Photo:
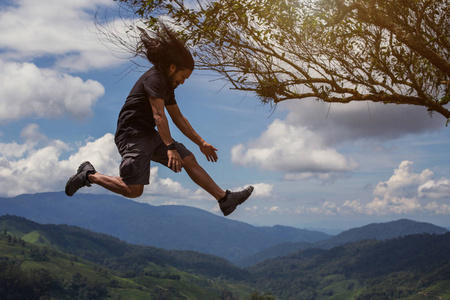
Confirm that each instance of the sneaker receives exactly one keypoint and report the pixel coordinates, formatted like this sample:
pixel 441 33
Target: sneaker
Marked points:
pixel 232 199
pixel 80 179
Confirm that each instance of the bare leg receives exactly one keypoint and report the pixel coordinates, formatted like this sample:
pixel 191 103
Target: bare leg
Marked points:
pixel 201 178
pixel 116 185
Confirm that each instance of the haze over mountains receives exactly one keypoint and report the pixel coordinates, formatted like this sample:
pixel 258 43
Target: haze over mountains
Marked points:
pixel 187 228
pixel 169 227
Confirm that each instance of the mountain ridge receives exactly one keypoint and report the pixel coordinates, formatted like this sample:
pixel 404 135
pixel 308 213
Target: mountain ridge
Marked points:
pixel 375 231
pixel 369 269
pixel 381 231
pixel 169 227
pixel 189 228
pixel 47 261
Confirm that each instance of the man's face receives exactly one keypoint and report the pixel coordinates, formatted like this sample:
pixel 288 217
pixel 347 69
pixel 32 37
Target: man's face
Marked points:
pixel 178 76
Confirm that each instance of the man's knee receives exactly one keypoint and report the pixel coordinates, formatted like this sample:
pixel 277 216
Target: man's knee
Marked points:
pixel 189 161
pixel 134 191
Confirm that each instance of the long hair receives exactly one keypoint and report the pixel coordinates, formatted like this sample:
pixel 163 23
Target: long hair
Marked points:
pixel 164 48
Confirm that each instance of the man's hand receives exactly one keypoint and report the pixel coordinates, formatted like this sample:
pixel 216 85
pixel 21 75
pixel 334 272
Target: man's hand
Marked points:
pixel 209 151
pixel 175 162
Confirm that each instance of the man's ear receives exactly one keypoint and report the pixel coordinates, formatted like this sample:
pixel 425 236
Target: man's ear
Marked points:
pixel 172 69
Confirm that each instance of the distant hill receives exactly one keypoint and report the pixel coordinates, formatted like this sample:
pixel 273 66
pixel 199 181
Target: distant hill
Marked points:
pixel 168 227
pixel 378 231
pixel 370 269
pixel 381 231
pixel 66 262
pixel 279 250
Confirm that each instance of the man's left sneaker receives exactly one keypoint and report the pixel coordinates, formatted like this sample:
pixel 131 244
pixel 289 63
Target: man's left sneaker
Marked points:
pixel 232 199
pixel 80 179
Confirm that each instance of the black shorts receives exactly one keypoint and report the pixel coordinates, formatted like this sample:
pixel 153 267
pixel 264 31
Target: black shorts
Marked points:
pixel 138 152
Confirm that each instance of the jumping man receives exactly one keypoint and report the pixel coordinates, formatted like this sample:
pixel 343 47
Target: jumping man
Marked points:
pixel 139 142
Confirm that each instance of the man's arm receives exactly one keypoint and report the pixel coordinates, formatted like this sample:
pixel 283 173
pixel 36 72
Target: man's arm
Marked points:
pixel 185 127
pixel 162 124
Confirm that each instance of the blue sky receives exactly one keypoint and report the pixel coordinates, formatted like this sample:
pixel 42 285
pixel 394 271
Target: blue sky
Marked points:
pixel 312 164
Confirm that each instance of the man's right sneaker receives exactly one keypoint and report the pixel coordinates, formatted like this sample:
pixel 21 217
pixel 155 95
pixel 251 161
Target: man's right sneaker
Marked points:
pixel 232 199
pixel 80 179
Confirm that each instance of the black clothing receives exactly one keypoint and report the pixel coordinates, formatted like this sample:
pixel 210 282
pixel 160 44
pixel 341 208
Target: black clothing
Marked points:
pixel 136 115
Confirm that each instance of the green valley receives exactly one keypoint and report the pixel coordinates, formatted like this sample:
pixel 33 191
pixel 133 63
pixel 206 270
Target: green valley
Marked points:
pixel 67 262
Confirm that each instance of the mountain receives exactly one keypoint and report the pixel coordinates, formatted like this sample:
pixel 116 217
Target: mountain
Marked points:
pixel 279 250
pixel 66 262
pixel 98 247
pixel 381 231
pixel 370 269
pixel 168 227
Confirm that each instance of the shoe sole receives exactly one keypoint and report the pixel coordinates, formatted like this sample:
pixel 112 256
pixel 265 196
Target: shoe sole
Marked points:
pixel 250 188
pixel 80 169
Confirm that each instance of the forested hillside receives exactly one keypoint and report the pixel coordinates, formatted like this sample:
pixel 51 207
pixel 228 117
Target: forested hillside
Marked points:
pixel 370 269
pixel 66 262
pixel 376 231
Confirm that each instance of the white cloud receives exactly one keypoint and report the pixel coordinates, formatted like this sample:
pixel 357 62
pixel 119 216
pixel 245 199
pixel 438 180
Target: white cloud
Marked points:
pixel 39 169
pixel 13 150
pixel 27 91
pixel 273 209
pixel 435 189
pixel 351 206
pixel 399 195
pixel 438 209
pixel 31 133
pixel 62 28
pixel 262 190
pixel 102 153
pixel 305 144
pixel 404 182
pixel 36 166
pixel 294 150
pixel 393 205
pixel 167 186
pixel 405 192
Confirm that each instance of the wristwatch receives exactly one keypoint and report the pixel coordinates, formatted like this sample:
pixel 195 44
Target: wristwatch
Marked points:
pixel 171 146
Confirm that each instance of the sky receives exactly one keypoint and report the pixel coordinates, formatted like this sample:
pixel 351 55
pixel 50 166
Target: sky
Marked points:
pixel 313 165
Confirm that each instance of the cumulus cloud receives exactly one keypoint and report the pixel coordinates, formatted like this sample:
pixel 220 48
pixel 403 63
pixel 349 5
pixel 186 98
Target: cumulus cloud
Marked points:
pixel 438 209
pixel 403 182
pixel 36 166
pixel 167 187
pixel 262 190
pixel 27 91
pixel 306 143
pixel 405 192
pixel 295 150
pixel 64 29
pixel 31 133
pixel 398 195
pixel 435 189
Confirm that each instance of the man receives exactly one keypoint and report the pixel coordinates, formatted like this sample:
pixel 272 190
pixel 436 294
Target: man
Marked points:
pixel 137 139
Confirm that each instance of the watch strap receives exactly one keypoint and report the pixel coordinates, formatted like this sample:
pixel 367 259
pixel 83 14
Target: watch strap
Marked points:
pixel 171 146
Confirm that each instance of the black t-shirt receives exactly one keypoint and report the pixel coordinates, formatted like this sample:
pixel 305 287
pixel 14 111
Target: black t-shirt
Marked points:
pixel 136 115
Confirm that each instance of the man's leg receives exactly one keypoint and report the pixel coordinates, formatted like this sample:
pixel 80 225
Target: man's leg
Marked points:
pixel 116 185
pixel 228 201
pixel 86 175
pixel 201 178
